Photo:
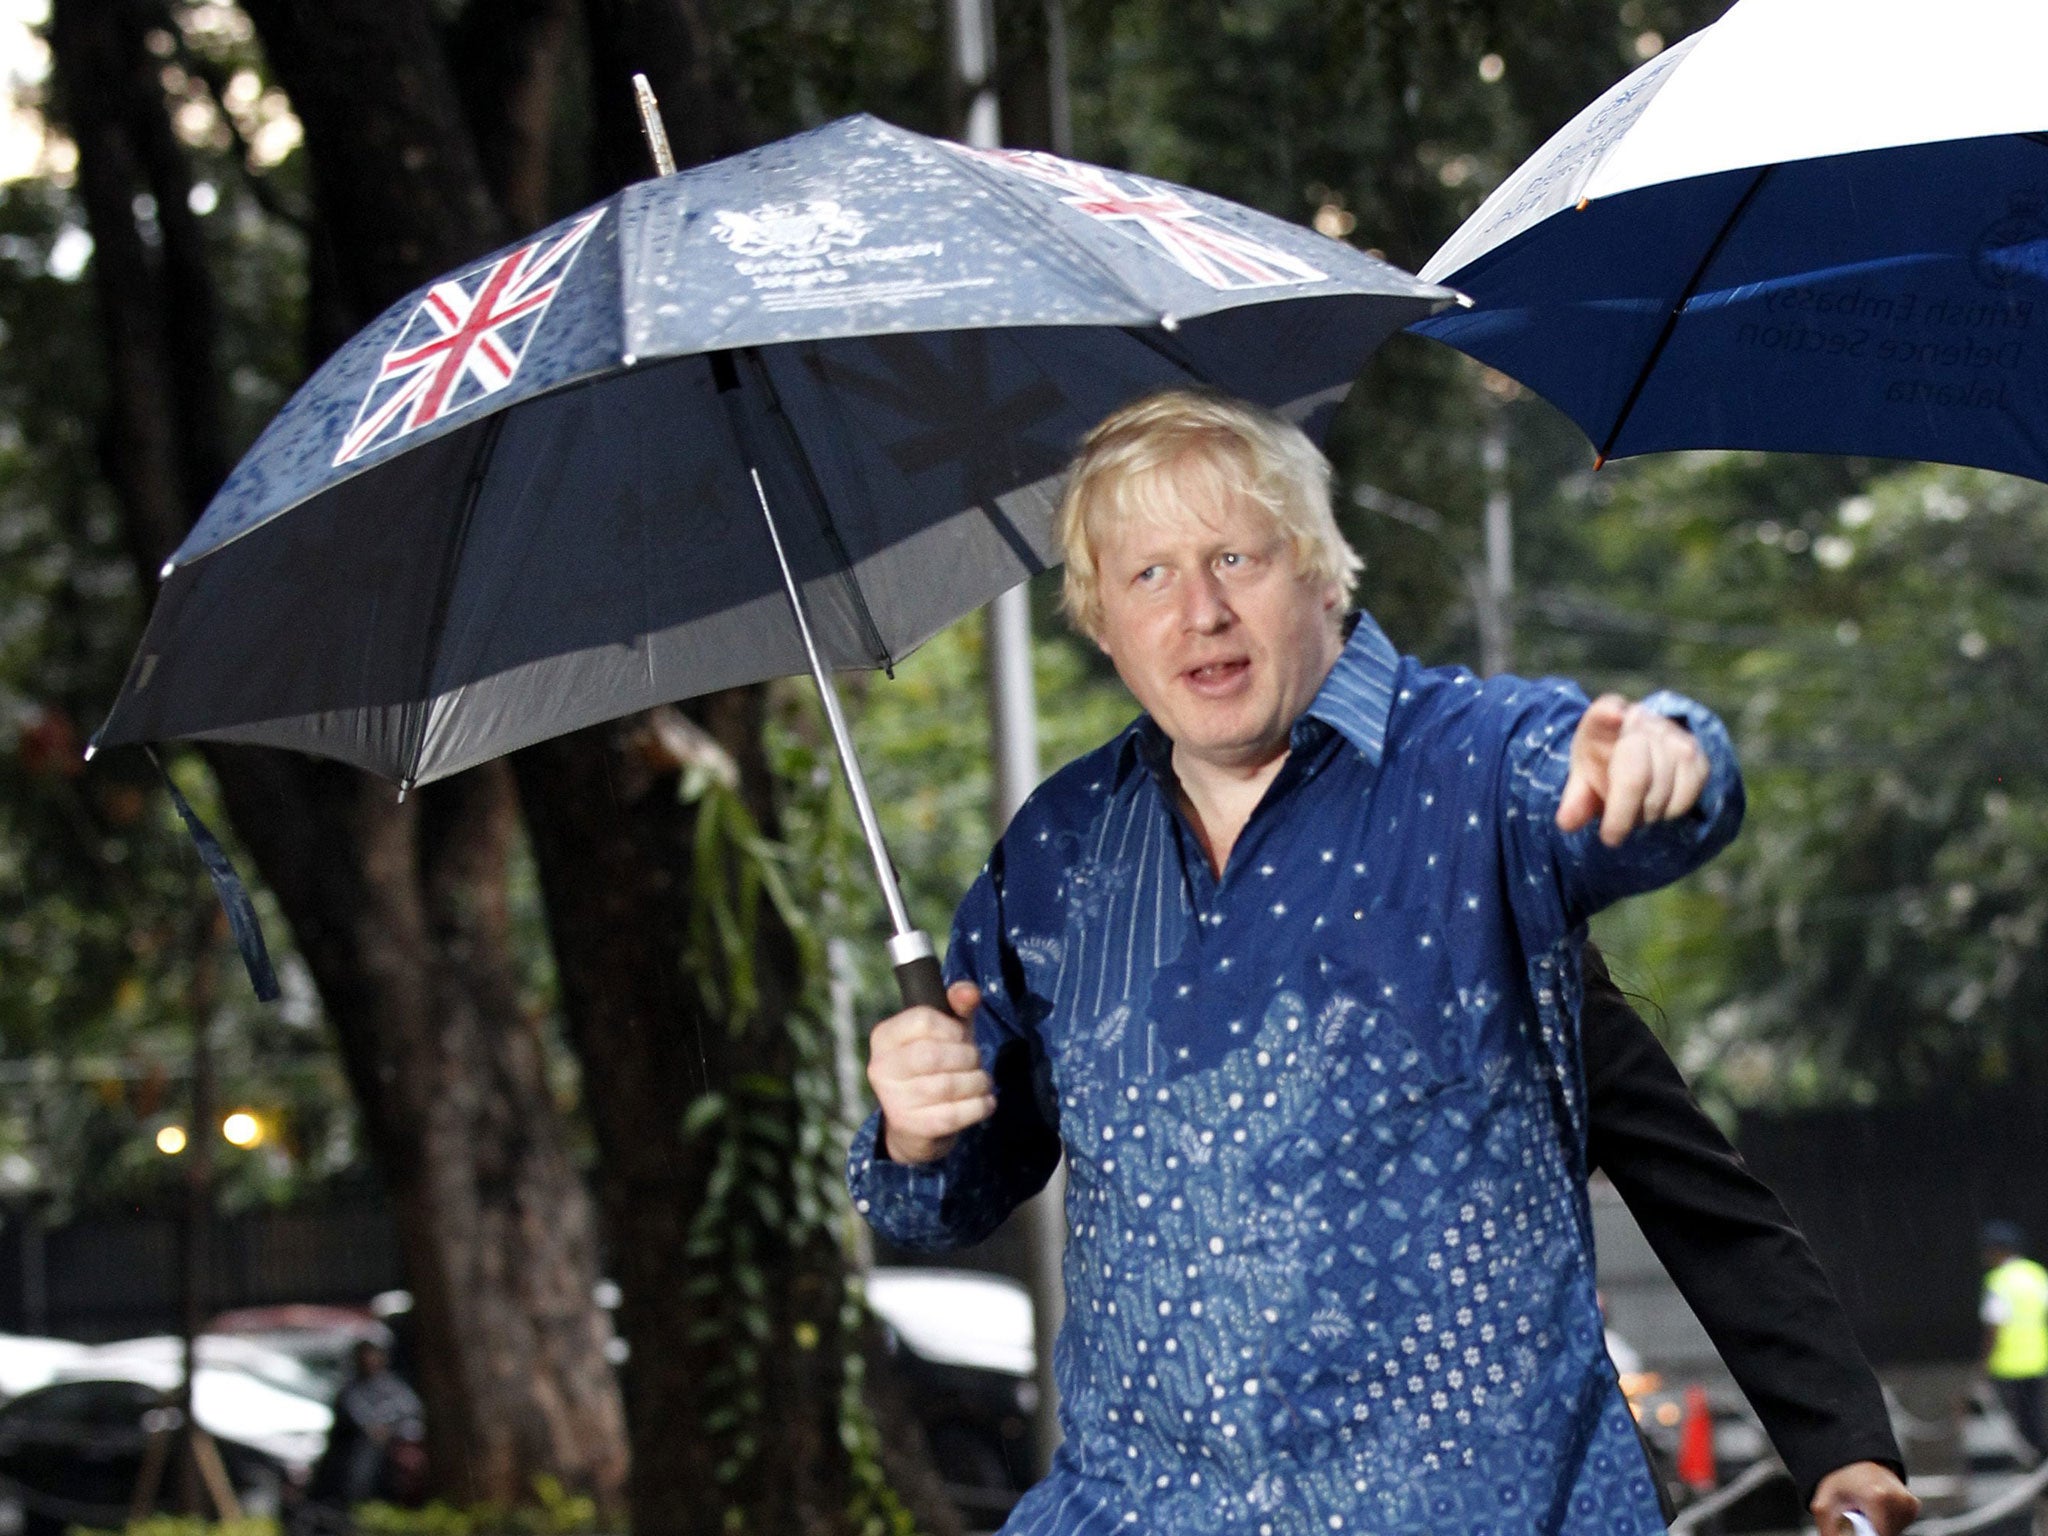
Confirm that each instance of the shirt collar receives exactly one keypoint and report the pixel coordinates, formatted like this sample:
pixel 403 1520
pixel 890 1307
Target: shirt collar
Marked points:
pixel 1355 700
pixel 1358 696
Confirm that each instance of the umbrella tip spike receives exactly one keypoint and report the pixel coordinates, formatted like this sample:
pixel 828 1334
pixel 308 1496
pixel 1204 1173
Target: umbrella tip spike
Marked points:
pixel 92 749
pixel 164 574
pixel 1582 204
pixel 1169 322
pixel 1599 461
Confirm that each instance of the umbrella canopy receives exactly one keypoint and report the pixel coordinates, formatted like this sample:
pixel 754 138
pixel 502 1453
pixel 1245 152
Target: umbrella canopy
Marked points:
pixel 520 503
pixel 1815 225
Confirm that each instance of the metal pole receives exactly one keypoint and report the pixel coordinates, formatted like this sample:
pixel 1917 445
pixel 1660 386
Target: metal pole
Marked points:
pixel 1496 612
pixel 651 125
pixel 35 1268
pixel 1013 723
pixel 190 1486
pixel 1013 708
pixel 910 948
pixel 974 69
pixel 1059 99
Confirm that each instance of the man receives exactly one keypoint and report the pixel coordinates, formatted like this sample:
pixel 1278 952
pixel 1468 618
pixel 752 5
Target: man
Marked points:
pixel 1746 1270
pixel 378 1426
pixel 2015 1314
pixel 1292 966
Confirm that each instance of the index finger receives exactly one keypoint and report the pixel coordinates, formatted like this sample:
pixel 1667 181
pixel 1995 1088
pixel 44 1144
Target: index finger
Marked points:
pixel 1628 781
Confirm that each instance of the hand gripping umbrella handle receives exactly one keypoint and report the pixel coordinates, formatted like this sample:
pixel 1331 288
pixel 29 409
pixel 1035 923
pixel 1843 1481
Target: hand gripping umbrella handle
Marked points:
pixel 918 976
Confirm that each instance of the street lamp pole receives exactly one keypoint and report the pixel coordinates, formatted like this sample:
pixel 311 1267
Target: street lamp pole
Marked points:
pixel 1497 586
pixel 198 1255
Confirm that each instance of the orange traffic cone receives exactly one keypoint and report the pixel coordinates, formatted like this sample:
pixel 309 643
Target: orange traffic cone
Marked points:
pixel 1696 1442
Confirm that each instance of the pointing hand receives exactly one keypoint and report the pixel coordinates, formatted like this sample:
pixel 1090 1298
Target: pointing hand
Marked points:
pixel 1630 766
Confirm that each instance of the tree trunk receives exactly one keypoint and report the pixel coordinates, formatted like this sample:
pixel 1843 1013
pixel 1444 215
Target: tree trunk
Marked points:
pixel 614 845
pixel 399 910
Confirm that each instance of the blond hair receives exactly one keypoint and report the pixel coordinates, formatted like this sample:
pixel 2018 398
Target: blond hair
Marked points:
pixel 1141 460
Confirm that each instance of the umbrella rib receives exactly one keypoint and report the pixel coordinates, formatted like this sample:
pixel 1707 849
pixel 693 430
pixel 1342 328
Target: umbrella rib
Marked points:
pixel 1671 320
pixel 444 597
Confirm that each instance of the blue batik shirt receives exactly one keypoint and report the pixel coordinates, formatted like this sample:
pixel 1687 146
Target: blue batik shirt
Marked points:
pixel 1330 1263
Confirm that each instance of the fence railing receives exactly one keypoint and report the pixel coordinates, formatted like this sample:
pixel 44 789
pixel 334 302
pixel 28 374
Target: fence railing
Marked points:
pixel 2022 1494
pixel 1729 1494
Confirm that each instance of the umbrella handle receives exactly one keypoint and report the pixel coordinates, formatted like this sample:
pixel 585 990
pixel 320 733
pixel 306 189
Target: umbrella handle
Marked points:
pixel 918 976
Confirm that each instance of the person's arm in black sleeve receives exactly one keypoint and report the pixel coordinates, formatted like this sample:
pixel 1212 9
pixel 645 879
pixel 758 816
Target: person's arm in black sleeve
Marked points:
pixel 1746 1270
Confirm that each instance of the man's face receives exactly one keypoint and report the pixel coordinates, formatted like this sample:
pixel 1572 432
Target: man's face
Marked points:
pixel 1211 625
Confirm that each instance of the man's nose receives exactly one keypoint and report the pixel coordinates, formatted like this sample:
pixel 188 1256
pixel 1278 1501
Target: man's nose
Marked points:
pixel 1206 607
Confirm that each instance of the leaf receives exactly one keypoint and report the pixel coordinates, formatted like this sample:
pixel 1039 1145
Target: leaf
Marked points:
pixel 704 1111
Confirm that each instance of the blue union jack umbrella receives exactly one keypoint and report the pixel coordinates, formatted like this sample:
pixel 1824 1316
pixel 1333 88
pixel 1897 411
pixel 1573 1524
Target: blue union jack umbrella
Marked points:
pixel 530 497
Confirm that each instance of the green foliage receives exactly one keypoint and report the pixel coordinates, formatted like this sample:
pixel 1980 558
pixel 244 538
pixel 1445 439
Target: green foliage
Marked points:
pixel 554 1511
pixel 1874 931
pixel 802 65
pixel 778 1182
pixel 186 1525
pixel 102 902
pixel 923 739
pixel 1878 650
pixel 776 1186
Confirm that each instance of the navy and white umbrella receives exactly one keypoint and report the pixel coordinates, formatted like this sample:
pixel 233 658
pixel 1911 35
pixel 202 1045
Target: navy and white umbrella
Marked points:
pixel 1816 225
pixel 530 497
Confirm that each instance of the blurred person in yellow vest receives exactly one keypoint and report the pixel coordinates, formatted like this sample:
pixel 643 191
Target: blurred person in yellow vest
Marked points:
pixel 2015 1314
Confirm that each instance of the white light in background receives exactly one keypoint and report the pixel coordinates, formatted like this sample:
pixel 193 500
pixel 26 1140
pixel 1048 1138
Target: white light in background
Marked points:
pixel 69 253
pixel 24 65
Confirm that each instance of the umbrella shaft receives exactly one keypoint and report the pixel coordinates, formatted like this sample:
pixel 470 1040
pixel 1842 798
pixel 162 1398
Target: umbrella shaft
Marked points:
pixel 842 739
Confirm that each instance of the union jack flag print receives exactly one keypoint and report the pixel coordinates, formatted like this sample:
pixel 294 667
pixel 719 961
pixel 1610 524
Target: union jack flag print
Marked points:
pixel 1160 217
pixel 464 342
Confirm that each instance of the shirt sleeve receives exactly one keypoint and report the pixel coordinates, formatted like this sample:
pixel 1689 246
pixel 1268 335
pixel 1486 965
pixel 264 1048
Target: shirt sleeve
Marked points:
pixel 994 1166
pixel 1560 879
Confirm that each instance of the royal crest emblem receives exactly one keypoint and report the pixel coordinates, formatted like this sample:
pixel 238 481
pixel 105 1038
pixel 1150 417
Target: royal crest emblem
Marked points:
pixel 464 342
pixel 787 229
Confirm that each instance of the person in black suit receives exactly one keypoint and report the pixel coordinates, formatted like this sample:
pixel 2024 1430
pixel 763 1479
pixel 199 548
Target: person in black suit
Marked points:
pixel 1743 1266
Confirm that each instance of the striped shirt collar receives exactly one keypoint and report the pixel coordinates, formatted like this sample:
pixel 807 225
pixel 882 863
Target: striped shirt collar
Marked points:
pixel 1358 696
